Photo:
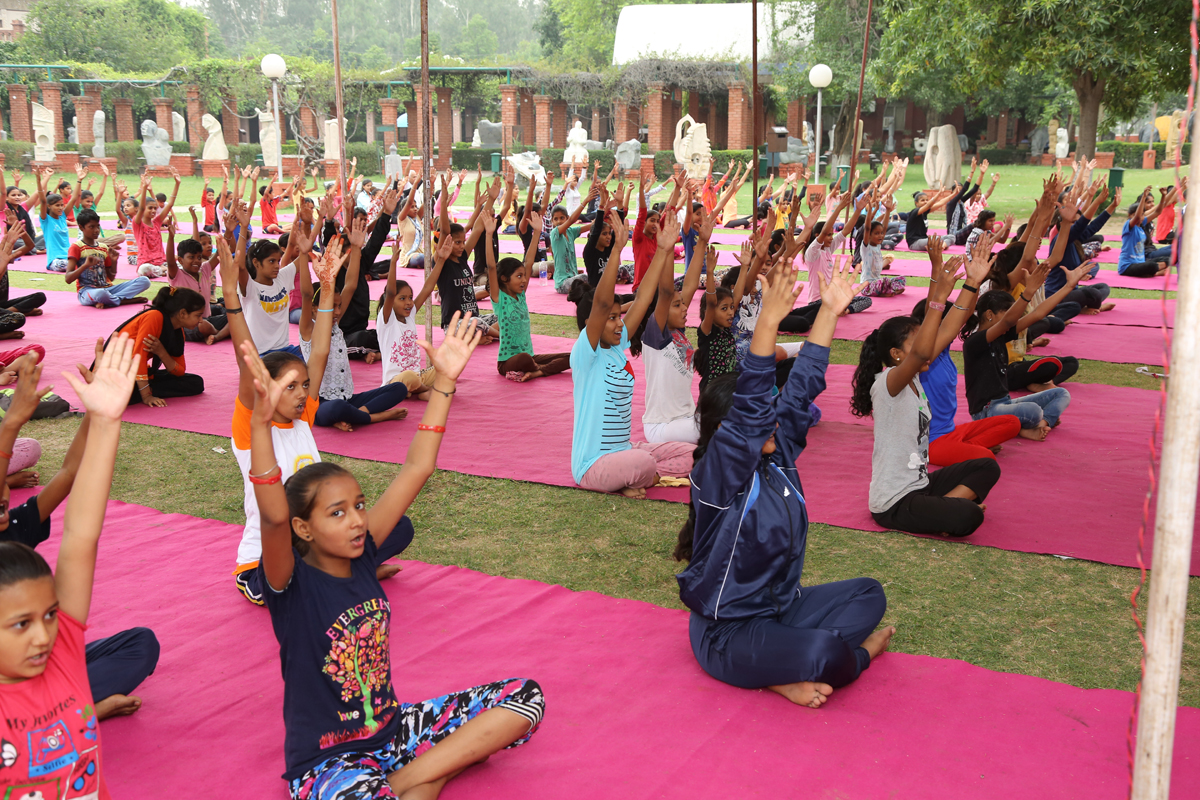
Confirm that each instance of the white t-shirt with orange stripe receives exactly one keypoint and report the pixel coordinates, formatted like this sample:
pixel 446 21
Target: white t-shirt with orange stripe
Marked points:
pixel 295 449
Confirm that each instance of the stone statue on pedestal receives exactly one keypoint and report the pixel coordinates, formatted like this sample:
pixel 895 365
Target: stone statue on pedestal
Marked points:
pixel 333 150
pixel 268 137
pixel 1039 140
pixel 215 148
pixel 576 145
pixel 1062 148
pixel 98 134
pixel 156 145
pixel 629 155
pixel 692 149
pixel 178 127
pixel 943 158
pixel 393 165
pixel 73 131
pixel 43 133
pixel 490 133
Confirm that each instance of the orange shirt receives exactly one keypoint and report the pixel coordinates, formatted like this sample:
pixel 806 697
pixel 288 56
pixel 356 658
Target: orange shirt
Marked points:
pixel 138 328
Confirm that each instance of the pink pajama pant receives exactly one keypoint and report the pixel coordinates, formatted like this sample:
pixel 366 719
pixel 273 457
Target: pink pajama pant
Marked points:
pixel 639 466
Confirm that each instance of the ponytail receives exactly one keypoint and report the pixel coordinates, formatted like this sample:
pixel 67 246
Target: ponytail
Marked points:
pixel 715 402
pixel 995 301
pixel 873 357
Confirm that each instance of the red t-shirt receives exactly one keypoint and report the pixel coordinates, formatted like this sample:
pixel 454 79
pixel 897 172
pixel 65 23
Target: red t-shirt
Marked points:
pixel 267 206
pixel 48 730
pixel 644 247
pixel 210 210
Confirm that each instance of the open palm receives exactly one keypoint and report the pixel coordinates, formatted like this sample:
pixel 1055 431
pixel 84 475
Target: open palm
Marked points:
pixel 107 396
pixel 451 357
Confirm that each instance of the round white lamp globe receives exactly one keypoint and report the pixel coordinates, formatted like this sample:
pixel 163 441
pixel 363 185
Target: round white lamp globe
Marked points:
pixel 819 76
pixel 273 66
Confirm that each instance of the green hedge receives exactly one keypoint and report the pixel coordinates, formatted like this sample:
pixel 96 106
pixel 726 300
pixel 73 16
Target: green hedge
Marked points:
pixel 721 158
pixel 1129 154
pixel 17 155
pixel 67 147
pixel 464 157
pixel 1004 155
pixel 664 164
pixel 127 154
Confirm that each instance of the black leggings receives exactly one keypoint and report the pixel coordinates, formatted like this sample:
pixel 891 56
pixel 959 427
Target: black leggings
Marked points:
pixel 741 222
pixel 1079 298
pixel 1041 370
pixel 163 384
pixel 1144 269
pixel 11 321
pixel 800 320
pixel 928 510
pixel 26 303
pixel 359 343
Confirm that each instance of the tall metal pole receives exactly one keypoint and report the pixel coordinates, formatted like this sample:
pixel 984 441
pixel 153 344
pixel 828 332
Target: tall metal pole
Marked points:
pixel 278 131
pixel 340 111
pixel 817 171
pixel 425 109
pixel 854 128
pixel 1175 516
pixel 754 111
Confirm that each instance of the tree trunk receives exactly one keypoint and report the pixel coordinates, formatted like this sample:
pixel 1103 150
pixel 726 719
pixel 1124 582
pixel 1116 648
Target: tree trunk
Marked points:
pixel 1090 93
pixel 933 119
pixel 843 143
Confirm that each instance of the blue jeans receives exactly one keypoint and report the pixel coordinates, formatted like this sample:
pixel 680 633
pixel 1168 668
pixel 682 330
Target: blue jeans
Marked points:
pixel 376 401
pixel 818 637
pixel 113 295
pixel 1031 409
pixel 294 349
pixel 294 316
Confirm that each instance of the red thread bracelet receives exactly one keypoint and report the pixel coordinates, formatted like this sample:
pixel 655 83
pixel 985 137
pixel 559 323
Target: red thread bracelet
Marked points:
pixel 434 428
pixel 5 455
pixel 267 481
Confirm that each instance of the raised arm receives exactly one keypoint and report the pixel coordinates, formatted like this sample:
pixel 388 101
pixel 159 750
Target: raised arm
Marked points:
pixel 968 295
pixel 667 236
pixel 603 299
pixel 941 282
pixel 105 399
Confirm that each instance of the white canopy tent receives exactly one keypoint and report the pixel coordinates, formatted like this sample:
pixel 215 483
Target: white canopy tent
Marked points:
pixel 717 31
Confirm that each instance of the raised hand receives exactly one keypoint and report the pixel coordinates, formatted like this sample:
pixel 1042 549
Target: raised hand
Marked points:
pixel 745 254
pixel 445 248
pixel 779 295
pixel 107 396
pixel 451 357
pixel 358 233
pixel 80 171
pixel 838 291
pixel 668 233
pixel 27 395
pixel 326 266
pixel 489 223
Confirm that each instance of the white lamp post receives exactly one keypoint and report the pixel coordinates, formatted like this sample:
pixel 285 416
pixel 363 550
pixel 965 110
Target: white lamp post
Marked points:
pixel 274 68
pixel 819 76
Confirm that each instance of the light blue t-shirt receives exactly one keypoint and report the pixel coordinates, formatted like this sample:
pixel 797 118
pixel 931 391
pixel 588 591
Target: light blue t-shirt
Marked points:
pixel 1133 246
pixel 563 246
pixel 58 241
pixel 603 402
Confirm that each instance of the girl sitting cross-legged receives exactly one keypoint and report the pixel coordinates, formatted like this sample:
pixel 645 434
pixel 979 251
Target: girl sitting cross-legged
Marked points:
pixel 753 624
pixel 347 734
pixel 158 338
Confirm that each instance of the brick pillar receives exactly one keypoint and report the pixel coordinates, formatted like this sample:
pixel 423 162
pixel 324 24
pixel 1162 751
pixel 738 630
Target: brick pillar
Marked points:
pixel 85 111
pixel 410 108
pixel 92 90
pixel 719 129
pixel 419 114
pixel 509 107
pixel 596 134
pixel 541 132
pixel 527 119
pixel 694 105
pixel 445 125
pixel 991 129
pixel 560 124
pixel 308 122
pixel 230 124
pixel 163 106
pixel 738 137
pixel 657 106
pixel 18 103
pixel 621 122
pixel 676 112
pixel 196 134
pixel 795 123
pixel 1002 129
pixel 52 99
pixel 126 132
pixel 389 108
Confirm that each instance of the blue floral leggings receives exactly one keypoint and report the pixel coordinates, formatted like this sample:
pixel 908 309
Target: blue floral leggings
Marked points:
pixel 363 775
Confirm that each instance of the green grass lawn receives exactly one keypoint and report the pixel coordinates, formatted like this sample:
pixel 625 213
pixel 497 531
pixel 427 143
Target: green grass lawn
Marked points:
pixel 1065 620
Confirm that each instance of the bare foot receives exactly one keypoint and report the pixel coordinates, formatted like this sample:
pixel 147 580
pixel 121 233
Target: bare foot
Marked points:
pixel 117 705
pixel 22 479
pixel 531 375
pixel 805 693
pixel 486 340
pixel 373 357
pixel 1040 387
pixel 344 426
pixel 997 448
pixel 13 335
pixel 1107 306
pixel 387 416
pixel 636 494
pixel 1041 341
pixel 210 339
pixel 33 312
pixel 99 305
pixel 878 641
pixel 1163 270
pixel 385 571
pixel 1037 434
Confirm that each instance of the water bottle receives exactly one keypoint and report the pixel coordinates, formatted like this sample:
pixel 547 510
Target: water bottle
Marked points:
pixel 543 272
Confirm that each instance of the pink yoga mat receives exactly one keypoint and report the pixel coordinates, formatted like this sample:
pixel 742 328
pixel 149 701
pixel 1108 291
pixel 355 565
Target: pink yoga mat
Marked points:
pixel 620 682
pixel 1101 447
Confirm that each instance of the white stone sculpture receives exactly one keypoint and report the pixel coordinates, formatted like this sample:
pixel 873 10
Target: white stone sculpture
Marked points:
pixel 1039 140
pixel 576 145
pixel 156 144
pixel 528 168
pixel 215 148
pixel 1062 147
pixel 73 131
pixel 43 133
pixel 268 137
pixel 692 148
pixel 629 155
pixel 393 165
pixel 943 158
pixel 98 134
pixel 797 151
pixel 475 140
pixel 920 144
pixel 1173 134
pixel 333 150
pixel 889 127
pixel 178 127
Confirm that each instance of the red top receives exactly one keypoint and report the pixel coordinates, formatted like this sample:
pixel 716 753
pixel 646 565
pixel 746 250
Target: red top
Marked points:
pixel 267 207
pixel 644 248
pixel 210 210
pixel 49 730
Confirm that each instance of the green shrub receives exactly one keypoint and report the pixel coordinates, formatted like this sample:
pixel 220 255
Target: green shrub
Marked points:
pixel 1129 154
pixel 241 155
pixel 17 155
pixel 67 147
pixel 721 158
pixel 466 157
pixel 664 164
pixel 370 157
pixel 1004 155
pixel 127 154
pixel 176 147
